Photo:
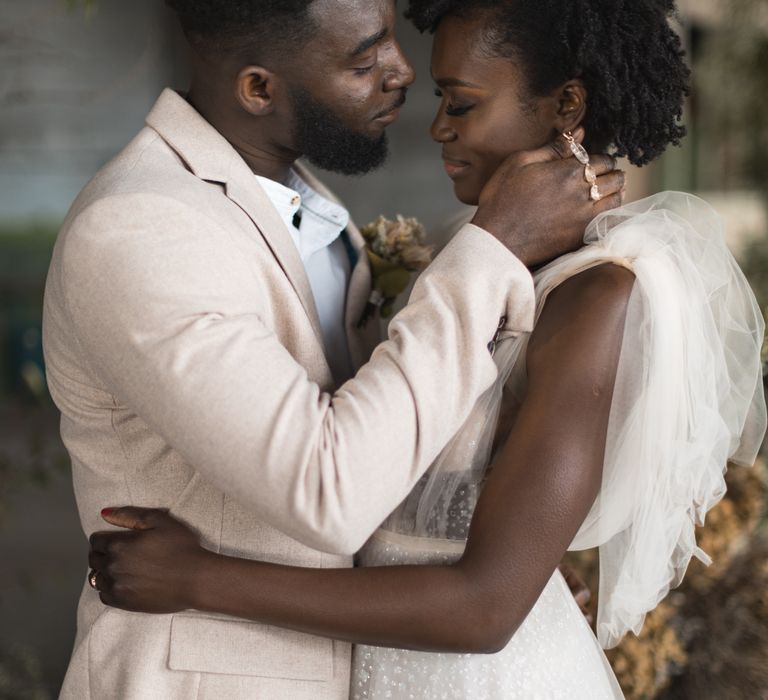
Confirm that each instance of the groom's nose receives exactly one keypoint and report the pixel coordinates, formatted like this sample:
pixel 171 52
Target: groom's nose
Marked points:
pixel 400 73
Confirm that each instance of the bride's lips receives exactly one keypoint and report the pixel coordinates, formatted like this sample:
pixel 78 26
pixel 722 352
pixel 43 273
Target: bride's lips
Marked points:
pixel 454 168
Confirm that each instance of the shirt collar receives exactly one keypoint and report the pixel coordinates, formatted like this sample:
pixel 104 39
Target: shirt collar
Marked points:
pixel 322 220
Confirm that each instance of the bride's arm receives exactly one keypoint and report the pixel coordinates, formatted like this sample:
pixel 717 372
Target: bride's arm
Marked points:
pixel 542 485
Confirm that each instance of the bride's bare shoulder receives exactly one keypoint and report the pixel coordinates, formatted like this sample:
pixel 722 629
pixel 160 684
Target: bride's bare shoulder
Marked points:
pixel 608 278
pixel 582 323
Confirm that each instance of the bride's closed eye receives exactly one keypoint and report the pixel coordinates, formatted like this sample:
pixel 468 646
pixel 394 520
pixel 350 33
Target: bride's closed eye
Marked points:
pixel 454 110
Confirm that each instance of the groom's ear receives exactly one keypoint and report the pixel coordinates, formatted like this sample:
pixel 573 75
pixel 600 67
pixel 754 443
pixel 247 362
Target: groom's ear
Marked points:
pixel 255 90
pixel 571 107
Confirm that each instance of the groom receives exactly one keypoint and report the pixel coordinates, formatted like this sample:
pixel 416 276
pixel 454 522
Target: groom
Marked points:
pixel 201 333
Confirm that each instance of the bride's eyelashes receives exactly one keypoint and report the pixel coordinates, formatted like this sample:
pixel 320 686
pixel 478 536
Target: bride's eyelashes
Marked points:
pixel 454 110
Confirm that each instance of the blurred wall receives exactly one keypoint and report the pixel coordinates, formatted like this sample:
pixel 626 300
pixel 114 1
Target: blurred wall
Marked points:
pixel 72 92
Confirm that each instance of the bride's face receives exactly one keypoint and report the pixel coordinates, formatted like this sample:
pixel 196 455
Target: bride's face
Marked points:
pixel 485 112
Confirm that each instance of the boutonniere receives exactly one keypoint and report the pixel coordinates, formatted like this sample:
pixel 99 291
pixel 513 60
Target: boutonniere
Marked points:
pixel 395 250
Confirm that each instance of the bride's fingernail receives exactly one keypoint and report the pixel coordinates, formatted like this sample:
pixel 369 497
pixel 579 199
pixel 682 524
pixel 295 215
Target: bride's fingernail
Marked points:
pixel 106 512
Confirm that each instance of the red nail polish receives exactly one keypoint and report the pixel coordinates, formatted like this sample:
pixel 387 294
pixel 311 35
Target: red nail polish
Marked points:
pixel 106 512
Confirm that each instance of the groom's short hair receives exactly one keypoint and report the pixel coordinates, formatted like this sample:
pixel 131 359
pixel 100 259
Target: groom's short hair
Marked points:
pixel 256 27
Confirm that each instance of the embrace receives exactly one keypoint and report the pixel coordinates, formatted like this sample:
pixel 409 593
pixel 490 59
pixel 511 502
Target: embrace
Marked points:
pixel 301 509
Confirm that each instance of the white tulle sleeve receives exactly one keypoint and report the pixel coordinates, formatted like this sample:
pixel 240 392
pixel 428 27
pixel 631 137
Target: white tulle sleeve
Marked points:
pixel 688 399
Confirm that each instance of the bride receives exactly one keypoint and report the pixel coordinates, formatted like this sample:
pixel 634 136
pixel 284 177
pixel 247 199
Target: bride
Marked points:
pixel 610 425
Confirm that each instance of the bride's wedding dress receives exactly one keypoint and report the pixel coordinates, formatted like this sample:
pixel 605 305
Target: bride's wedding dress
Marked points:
pixel 688 398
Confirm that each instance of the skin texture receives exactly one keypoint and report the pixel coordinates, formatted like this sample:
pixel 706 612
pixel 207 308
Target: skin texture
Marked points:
pixel 484 116
pixel 541 486
pixel 251 104
pixel 537 204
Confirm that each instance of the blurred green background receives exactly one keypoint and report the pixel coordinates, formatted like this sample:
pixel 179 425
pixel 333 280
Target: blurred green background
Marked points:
pixel 77 79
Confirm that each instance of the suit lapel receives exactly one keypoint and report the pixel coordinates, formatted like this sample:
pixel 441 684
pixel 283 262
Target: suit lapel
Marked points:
pixel 211 157
pixel 361 341
pixel 255 203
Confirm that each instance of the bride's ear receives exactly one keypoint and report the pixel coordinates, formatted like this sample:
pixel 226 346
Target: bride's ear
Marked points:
pixel 571 105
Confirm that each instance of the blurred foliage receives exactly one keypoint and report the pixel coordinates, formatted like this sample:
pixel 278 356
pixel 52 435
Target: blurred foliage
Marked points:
pixel 728 627
pixel 708 639
pixel 731 91
pixel 21 676
pixel 25 252
pixel 88 6
pixel 25 458
pixel 26 453
pixel 30 453
pixel 755 265
pixel 731 84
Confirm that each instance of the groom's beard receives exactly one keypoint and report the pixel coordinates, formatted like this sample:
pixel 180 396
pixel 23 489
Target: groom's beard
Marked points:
pixel 327 143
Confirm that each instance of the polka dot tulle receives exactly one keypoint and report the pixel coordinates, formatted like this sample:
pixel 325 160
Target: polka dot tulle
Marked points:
pixel 553 655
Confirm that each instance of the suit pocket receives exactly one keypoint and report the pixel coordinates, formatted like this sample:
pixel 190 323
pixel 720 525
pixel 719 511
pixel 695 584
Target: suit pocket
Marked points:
pixel 226 645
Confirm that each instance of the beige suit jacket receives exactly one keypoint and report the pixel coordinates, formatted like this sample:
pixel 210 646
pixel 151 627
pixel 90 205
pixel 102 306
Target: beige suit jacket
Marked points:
pixel 184 351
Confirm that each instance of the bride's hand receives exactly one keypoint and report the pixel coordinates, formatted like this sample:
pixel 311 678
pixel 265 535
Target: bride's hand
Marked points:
pixel 150 566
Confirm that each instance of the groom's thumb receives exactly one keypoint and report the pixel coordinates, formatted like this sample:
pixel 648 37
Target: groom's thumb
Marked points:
pixel 134 518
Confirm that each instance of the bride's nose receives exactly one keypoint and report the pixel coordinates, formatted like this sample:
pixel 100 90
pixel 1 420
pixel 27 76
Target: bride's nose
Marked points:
pixel 441 131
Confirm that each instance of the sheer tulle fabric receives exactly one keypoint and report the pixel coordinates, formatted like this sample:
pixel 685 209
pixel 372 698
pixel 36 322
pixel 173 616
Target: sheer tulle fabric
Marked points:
pixel 688 399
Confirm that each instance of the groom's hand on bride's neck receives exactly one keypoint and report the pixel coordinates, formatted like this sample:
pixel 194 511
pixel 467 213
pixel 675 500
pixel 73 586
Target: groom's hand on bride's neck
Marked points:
pixel 538 202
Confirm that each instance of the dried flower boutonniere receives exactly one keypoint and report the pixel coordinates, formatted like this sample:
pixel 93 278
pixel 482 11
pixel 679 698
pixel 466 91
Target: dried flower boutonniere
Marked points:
pixel 395 249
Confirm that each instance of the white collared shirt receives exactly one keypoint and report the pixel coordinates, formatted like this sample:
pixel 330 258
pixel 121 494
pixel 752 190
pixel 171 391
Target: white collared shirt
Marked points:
pixel 325 259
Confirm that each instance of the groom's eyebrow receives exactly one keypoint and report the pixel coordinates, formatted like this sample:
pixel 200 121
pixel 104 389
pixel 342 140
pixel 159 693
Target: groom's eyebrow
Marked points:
pixel 366 44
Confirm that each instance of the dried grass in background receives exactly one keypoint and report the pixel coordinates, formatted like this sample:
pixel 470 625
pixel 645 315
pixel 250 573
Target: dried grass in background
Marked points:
pixel 708 640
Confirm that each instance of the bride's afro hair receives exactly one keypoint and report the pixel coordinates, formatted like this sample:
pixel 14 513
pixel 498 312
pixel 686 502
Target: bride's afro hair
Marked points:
pixel 625 51
pixel 266 26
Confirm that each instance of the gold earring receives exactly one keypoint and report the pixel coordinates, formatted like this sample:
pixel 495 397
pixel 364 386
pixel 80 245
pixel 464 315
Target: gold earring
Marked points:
pixel 576 148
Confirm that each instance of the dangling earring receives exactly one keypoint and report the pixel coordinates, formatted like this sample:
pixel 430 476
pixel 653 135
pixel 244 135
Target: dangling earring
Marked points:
pixel 576 148
pixel 582 156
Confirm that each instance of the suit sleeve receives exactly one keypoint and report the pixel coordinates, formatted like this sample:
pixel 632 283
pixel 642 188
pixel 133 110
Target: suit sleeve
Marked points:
pixel 158 305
